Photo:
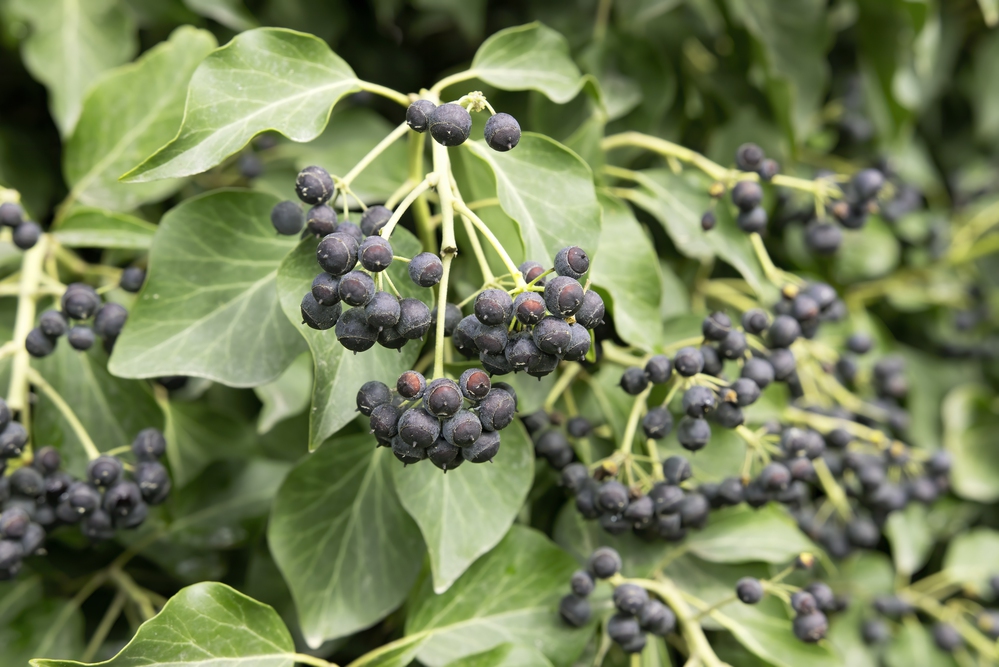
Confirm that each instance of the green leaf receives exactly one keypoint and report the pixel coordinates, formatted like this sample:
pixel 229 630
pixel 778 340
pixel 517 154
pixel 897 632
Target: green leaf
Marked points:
pixel 913 646
pixel 351 134
pixel 581 538
pixel 128 114
pixel 678 201
pixel 51 627
pixel 741 534
pixel 205 624
pixel 865 254
pixel 504 655
pixel 197 434
pixel 910 537
pixel 984 96
pixel 112 410
pixel 528 57
pixel 71 43
pixel 210 301
pixel 510 595
pixel 970 559
pixel 264 79
pixel 230 13
pixel 634 286
pixel 17 595
pixel 339 373
pixel 289 395
pixel 464 513
pixel 969 427
pixel 88 227
pixel 548 190
pixel 343 542
pixel 765 630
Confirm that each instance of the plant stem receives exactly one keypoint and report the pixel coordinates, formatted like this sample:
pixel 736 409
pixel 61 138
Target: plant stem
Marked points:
pixel 31 275
pixel 56 627
pixel 104 627
pixel 832 490
pixel 420 188
pixel 421 209
pixel 373 154
pixel 393 95
pixel 67 412
pixel 128 585
pixel 560 386
pixel 307 659
pixel 449 248
pixel 458 77
pixel 637 408
pixel 493 241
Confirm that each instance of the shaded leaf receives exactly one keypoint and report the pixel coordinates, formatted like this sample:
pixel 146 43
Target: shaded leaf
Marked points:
pixel 230 13
pixel 289 395
pixel 969 427
pixel 740 534
pixel 197 434
pixel 343 542
pixel 210 301
pixel 88 227
pixel 913 646
pixel 868 253
pixel 910 537
pixel 970 559
pixel 464 513
pixel 51 627
pixel 504 655
pixel 264 79
pixel 128 114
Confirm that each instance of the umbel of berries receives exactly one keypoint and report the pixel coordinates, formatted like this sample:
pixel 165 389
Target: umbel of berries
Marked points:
pixel 79 303
pixel 450 125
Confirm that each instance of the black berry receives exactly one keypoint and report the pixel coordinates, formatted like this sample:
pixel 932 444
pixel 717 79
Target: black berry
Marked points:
pixel 572 261
pixel 418 115
pixel 314 185
pixel 449 124
pixel 321 220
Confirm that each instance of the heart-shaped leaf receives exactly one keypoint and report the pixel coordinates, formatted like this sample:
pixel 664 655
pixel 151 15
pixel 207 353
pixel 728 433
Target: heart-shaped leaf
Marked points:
pixel 210 301
pixel 88 227
pixel 289 395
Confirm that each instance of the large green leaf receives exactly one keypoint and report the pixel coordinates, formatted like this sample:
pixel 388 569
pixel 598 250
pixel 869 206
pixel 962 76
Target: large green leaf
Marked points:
pixel 868 253
pixel 529 57
pixel 71 43
pixel 511 595
pixel 289 395
pixel 210 306
pixel 913 646
pixel 969 427
pixel 264 79
pixel 970 559
pixel 113 410
pixel 127 115
pixel 88 227
pixel 548 190
pixel 911 540
pixel 198 433
pixel 230 13
pixel 678 201
pixel 339 373
pixel 203 625
pixel 634 286
pixel 765 630
pixel 504 655
pixel 51 627
pixel 464 513
pixel 740 534
pixel 346 547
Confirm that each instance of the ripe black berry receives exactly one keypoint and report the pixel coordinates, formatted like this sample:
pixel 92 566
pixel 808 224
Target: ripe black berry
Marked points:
pixel 502 132
pixel 729 415
pixel 760 371
pixel 582 583
pixel 755 321
pixel 411 384
pixel 874 631
pixel 149 445
pixel 384 421
pixel 353 332
pixel 552 334
pixel 698 401
pixel 575 610
pixel 733 346
pixel 383 311
pixel 658 369
pixel 463 429
pixel 14 523
pixel 12 439
pixel 860 343
pixel 356 288
pixel 109 320
pixel 623 628
pixel 693 433
pixel 80 301
pixel 746 391
pixel 563 296
pixel 26 235
pixel 768 169
pixel 442 397
pixel 374 253
pixel 775 477
pixel 784 331
pixel 572 261
pixel 337 253
pixel 287 218
pixel 321 220
pixel 474 384
pixel 676 469
pixel 630 598
pixel 579 344
pixel 38 344
pixel 493 306
pixel 804 602
pixel 444 455
pixel 122 498
pixel 867 183
pixel 317 315
pixel 694 510
pixel 10 555
pixel 748 157
pixel 426 269
pixel 98 526
pixel 747 195
pixel 452 315
pixel 635 645
pixel 688 361
pixel 708 221
pixel 325 289
pixel 418 428
pixel 314 185
pixel 640 510
pixel 484 449
pixel 575 476
pixel 810 627
pixel 449 124
pixel 11 214
pixel 749 590
pixel 544 364
pixel 418 115
pixel 414 318
pixel 657 423
pixel 823 595
pixel 604 563
pixel 591 311
pixel 783 363
pixel 752 221
pixel 532 270
pixel 104 470
pixel 351 230
pixel 132 279
pixel 612 497
pixel 657 618
pixel 823 238
pixel 716 326
pixel 47 460
pixel 633 380
pixel 497 410
pixel 52 323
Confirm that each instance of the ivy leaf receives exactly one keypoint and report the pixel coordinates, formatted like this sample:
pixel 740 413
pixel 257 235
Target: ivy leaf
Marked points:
pixel 634 286
pixel 339 373
pixel 113 410
pixel 969 426
pixel 205 624
pixel 548 190
pixel 88 227
pixel 343 542
pixel 289 395
pixel 741 534
pixel 910 537
pixel 51 627
pixel 581 538
pixel 678 202
pixel 127 114
pixel 464 513
pixel 504 655
pixel 765 630
pixel 71 43
pixel 510 595
pixel 867 254
pixel 264 79
pixel 913 646
pixel 529 57
pixel 230 13
pixel 210 301
pixel 970 559
pixel 197 434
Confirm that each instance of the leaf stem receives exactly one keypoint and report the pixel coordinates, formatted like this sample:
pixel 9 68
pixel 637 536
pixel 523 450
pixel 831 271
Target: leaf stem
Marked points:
pixel 493 241
pixel 373 154
pixel 307 659
pixel 104 627
pixel 67 412
pixel 31 276
pixel 449 248
pixel 420 188
pixel 458 77
pixel 384 91
pixel 563 383
pixel 637 408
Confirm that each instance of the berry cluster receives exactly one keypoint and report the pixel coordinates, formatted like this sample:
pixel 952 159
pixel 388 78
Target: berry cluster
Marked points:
pixel 26 232
pixel 637 612
pixel 80 303
pixel 538 328
pixel 810 604
pixel 451 123
pixel 38 497
pixel 442 420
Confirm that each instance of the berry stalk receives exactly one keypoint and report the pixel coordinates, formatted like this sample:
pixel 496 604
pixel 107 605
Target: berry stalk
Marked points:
pixel 31 276
pixel 67 412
